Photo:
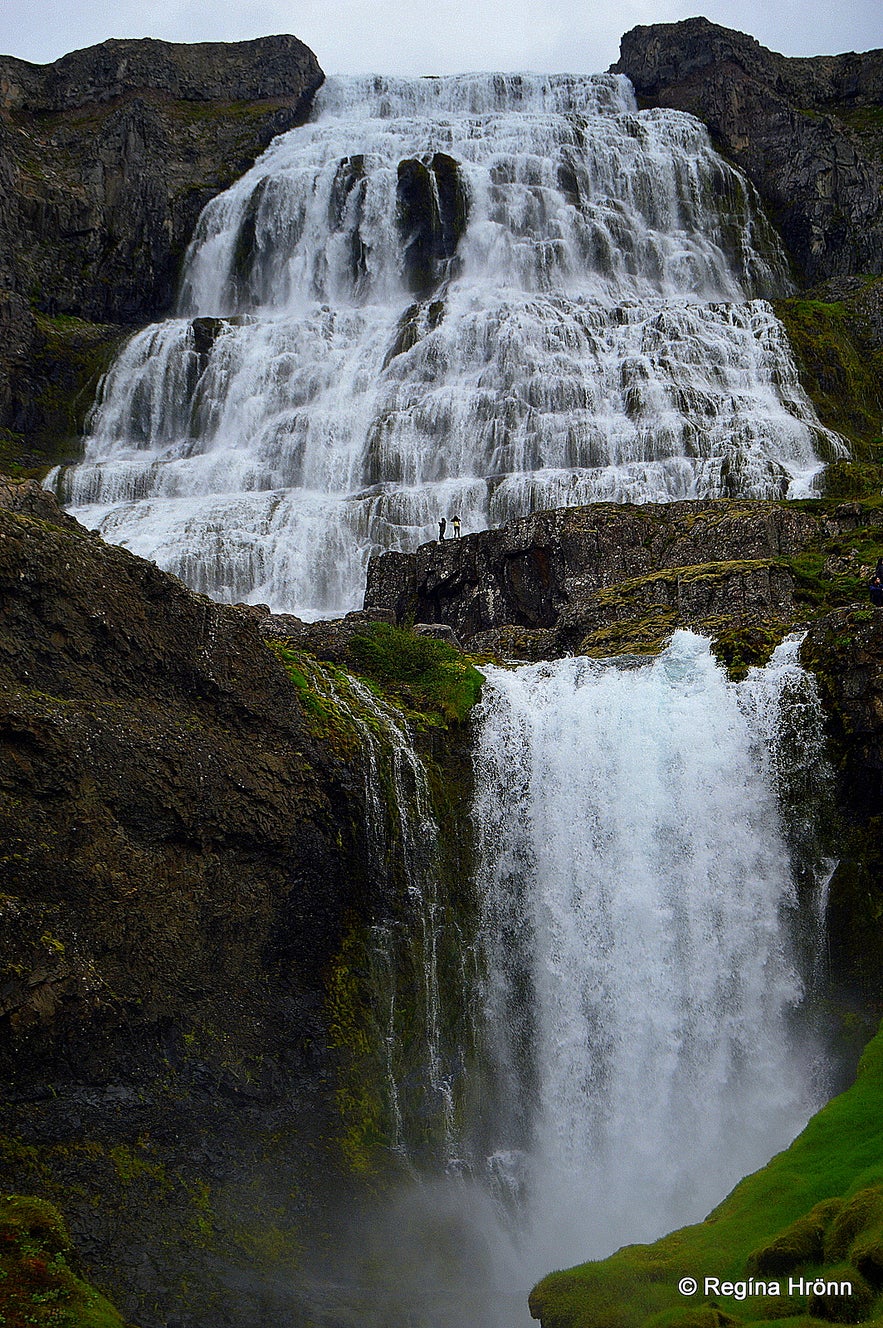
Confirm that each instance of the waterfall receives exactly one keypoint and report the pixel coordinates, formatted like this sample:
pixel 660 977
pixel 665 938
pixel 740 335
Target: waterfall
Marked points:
pixel 483 295
pixel 401 1042
pixel 643 959
pixel 640 928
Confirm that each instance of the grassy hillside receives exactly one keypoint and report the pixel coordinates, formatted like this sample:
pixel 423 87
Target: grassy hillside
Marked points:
pixel 813 1215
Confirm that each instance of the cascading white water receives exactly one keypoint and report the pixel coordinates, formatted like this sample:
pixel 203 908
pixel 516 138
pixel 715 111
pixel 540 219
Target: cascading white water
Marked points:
pixel 640 935
pixel 640 1053
pixel 584 329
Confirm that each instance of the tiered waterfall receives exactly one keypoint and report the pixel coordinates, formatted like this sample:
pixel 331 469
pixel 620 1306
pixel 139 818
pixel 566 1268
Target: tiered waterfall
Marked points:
pixel 476 296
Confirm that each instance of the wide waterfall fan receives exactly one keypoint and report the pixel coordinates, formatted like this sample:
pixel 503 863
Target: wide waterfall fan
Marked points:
pixel 485 296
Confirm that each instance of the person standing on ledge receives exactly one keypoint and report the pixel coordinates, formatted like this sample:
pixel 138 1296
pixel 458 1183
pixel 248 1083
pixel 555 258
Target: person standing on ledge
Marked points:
pixel 875 585
pixel 442 527
pixel 455 522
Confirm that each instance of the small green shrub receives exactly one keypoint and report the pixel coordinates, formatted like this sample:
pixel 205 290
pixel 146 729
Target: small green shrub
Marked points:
pixel 426 673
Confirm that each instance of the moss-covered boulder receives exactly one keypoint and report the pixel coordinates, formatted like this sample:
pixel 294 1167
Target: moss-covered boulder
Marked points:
pixel 39 1283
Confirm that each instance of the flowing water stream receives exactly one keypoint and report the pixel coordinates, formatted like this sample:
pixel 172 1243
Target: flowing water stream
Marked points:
pixel 642 961
pixel 476 296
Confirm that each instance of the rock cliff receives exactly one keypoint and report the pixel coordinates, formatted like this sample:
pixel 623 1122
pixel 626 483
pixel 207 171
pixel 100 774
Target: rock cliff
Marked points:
pixel 112 152
pixel 806 131
pixel 603 579
pixel 186 848
pixel 107 158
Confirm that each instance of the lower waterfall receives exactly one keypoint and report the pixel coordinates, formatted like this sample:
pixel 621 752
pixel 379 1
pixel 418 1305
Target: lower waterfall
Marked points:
pixel 643 960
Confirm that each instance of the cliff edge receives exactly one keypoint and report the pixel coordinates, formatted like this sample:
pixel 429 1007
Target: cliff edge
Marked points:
pixel 806 131
pixel 107 158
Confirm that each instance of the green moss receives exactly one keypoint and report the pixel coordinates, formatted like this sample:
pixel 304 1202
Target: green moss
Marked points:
pixel 742 646
pixel 352 1034
pixel 420 671
pixel 37 1284
pixel 325 699
pixel 840 368
pixel 647 635
pixel 69 360
pixel 625 592
pixel 828 1180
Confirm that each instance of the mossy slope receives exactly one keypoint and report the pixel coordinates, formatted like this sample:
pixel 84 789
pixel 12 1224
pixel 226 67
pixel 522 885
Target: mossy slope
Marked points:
pixel 38 1284
pixel 815 1210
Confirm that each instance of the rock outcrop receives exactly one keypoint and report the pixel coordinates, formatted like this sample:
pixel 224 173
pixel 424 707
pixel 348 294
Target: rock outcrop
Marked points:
pixel 806 131
pixel 107 158
pixel 111 153
pixel 185 842
pixel 602 579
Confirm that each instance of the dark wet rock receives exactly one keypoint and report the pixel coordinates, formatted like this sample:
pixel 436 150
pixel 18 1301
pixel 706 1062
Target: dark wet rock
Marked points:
pixel 586 578
pixel 806 132
pixel 432 213
pixel 180 854
pixel 107 158
pixel 845 649
pixel 29 498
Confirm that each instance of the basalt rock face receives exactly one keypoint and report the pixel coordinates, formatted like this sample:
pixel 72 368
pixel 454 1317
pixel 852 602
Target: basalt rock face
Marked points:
pixel 592 580
pixel 181 853
pixel 107 158
pixel 806 131
pixel 111 153
pixel 845 651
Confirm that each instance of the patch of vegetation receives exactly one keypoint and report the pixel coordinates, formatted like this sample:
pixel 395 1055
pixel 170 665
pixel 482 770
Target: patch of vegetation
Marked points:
pixel 355 1040
pixel 321 689
pixel 840 369
pixel 741 646
pixel 866 122
pixel 814 1212
pixel 647 635
pixel 38 1286
pixel 822 582
pixel 418 671
pixel 855 481
pixel 625 592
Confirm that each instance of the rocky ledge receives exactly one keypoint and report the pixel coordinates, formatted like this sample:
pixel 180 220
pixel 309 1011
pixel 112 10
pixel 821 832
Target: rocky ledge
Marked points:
pixel 603 579
pixel 806 132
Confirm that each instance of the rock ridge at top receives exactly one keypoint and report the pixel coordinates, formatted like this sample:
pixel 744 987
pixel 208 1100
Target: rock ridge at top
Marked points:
pixel 277 66
pixel 806 131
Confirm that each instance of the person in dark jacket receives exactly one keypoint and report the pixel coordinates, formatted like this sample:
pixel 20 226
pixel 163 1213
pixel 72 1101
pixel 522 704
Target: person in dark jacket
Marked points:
pixel 875 587
pixel 442 527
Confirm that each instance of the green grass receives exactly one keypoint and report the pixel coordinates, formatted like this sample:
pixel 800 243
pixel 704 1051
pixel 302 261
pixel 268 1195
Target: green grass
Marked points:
pixel 837 1161
pixel 38 1287
pixel 421 672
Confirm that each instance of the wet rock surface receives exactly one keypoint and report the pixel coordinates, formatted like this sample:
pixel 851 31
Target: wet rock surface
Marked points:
pixel 578 580
pixel 805 130
pixel 107 158
pixel 112 152
pixel 180 855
